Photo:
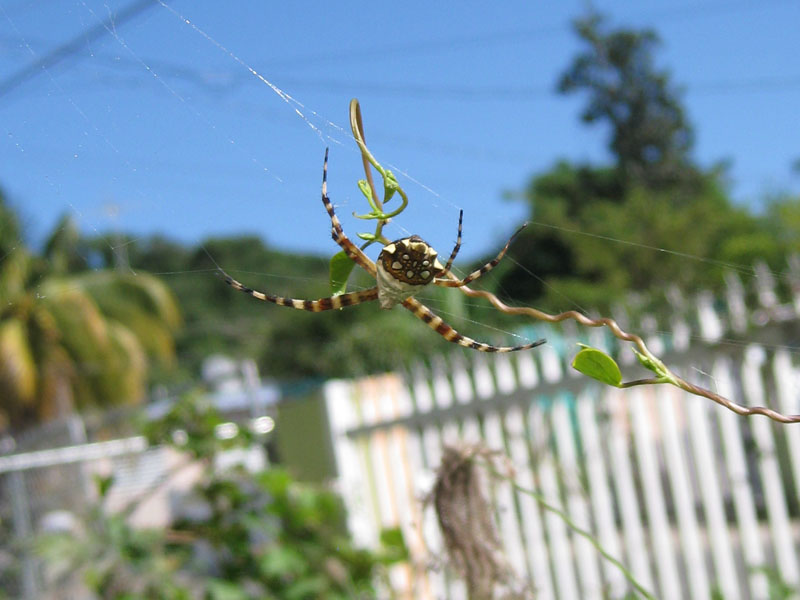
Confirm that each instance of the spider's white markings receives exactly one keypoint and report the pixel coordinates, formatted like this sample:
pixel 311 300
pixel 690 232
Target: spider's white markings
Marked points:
pixel 403 269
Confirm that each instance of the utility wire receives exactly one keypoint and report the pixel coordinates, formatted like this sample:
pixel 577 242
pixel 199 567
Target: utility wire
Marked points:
pixel 417 47
pixel 73 46
pixel 405 48
pixel 227 80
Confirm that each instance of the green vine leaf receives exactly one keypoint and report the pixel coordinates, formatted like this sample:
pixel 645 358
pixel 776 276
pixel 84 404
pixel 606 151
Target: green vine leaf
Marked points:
pixel 363 185
pixel 390 185
pixel 393 546
pixel 103 484
pixel 370 215
pixel 656 366
pixel 648 363
pixel 597 365
pixel 340 268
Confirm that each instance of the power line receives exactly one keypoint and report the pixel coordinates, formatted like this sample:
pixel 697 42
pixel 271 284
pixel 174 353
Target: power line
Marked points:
pixel 229 79
pixel 417 47
pixel 672 13
pixel 226 81
pixel 73 46
pixel 465 92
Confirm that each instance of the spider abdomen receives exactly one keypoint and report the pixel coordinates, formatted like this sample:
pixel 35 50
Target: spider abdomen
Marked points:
pixel 404 267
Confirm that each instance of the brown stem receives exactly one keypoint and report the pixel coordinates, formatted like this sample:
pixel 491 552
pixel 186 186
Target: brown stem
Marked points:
pixel 357 126
pixel 737 408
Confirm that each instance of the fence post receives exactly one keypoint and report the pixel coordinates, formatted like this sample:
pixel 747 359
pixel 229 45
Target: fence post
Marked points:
pixel 777 511
pixel 735 297
pixel 643 422
pixel 741 490
pixel 22 531
pixel 76 434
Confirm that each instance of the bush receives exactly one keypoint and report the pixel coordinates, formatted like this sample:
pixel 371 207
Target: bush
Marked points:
pixel 249 535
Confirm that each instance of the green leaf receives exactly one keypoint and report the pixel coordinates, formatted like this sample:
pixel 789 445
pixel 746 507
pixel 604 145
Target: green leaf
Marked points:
pixel 313 586
pixel 390 186
pixel 283 562
pixel 17 362
pixel 597 365
pixel 656 366
pixel 224 590
pixel 340 268
pixel 393 546
pixel 363 185
pixel 373 215
pixel 365 189
pixel 103 484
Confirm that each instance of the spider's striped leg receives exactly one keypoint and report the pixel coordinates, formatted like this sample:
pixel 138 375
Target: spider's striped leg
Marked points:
pixel 353 251
pixel 457 246
pixel 310 305
pixel 484 269
pixel 451 335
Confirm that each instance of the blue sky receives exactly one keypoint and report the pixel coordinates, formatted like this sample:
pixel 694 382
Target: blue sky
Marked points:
pixel 158 125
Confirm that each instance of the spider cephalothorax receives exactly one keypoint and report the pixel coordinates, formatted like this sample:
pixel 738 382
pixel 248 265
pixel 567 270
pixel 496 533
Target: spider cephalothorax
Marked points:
pixel 404 268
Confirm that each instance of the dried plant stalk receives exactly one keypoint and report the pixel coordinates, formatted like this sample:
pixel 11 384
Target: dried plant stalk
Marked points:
pixel 466 521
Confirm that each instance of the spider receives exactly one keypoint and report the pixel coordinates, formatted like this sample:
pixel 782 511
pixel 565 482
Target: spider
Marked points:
pixel 404 268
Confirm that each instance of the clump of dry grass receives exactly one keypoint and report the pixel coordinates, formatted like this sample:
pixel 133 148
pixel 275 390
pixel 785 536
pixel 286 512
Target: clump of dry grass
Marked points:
pixel 466 519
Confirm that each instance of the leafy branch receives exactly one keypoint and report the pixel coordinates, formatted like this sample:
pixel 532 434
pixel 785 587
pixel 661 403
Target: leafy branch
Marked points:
pixel 589 361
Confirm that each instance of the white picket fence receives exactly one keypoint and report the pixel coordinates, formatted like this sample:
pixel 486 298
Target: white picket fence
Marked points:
pixel 692 498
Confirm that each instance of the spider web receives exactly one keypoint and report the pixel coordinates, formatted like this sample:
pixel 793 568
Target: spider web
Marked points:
pixel 193 122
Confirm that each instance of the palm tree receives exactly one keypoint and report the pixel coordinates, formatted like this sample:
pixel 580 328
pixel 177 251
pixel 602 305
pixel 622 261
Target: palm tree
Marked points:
pixel 73 339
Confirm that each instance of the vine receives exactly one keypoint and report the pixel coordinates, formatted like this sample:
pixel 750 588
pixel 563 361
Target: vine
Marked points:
pixel 590 361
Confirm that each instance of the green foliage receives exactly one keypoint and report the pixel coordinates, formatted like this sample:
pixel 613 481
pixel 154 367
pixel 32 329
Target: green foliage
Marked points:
pixel 191 425
pixel 111 558
pixel 594 240
pixel 251 535
pixel 9 229
pixel 597 365
pixel 650 220
pixel 286 344
pixel 783 221
pixel 650 135
pixel 72 338
pixel 340 268
pixel 62 247
pixel 779 588
pixel 285 539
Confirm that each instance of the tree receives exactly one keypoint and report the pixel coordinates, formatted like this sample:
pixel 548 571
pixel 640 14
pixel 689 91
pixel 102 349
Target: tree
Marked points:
pixel 71 339
pixel 650 135
pixel 602 229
